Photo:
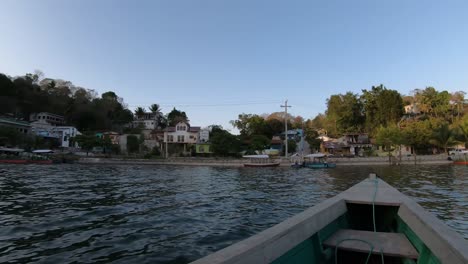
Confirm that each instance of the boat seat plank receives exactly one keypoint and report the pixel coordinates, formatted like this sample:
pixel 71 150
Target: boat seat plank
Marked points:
pixel 391 244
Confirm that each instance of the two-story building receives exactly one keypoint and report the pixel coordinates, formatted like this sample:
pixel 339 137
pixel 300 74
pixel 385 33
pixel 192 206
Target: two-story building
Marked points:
pixel 148 120
pixel 49 118
pixel 51 127
pixel 183 135
pixel 19 125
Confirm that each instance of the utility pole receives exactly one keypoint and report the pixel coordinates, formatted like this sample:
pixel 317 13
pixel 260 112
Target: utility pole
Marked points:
pixel 285 127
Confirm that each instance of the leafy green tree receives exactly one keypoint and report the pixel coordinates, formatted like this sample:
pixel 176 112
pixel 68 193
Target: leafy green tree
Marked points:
pixel 381 107
pixel 7 95
pixel 462 130
pixel 275 126
pixel 87 142
pixel 432 102
pixel 259 142
pixel 224 143
pixel 416 134
pixel 346 112
pixel 297 122
pixel 250 125
pixel 458 98
pixel 176 116
pixel 247 124
pixel 390 137
pixel 133 144
pixel 443 137
pixel 318 122
pixel 311 136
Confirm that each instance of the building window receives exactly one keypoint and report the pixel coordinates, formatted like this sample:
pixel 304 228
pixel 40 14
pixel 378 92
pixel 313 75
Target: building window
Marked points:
pixel 180 128
pixel 180 138
pixel 170 138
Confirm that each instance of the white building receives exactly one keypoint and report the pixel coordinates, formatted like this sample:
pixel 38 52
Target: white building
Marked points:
pixel 412 109
pixel 60 133
pixel 19 125
pixel 48 118
pixel 181 133
pixel 64 133
pixel 148 121
pixel 204 135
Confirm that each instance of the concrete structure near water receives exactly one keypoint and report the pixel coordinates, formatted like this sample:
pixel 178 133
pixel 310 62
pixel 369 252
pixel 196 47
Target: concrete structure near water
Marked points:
pixel 19 125
pixel 50 126
pixel 148 120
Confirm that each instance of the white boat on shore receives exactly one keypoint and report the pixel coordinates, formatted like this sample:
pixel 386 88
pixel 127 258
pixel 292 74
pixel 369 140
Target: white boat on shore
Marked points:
pixel 260 161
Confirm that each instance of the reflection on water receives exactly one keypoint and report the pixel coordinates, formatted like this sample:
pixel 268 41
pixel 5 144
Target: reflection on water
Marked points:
pixel 164 214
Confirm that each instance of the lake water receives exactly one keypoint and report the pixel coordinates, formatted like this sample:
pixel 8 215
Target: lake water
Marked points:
pixel 166 214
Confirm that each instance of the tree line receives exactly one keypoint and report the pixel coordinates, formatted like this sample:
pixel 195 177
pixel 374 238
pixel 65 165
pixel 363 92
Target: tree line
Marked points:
pixel 83 108
pixel 438 118
pixel 435 119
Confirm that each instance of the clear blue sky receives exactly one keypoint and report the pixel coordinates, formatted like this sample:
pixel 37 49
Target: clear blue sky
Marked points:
pixel 218 58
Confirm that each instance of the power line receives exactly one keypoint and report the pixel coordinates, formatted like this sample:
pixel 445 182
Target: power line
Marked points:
pixel 208 105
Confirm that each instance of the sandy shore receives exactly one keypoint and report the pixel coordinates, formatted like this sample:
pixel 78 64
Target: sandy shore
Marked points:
pixel 433 159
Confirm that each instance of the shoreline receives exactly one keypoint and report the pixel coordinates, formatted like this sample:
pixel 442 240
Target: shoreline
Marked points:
pixel 426 160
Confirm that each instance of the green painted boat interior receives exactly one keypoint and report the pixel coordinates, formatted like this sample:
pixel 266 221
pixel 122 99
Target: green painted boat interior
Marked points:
pixel 358 217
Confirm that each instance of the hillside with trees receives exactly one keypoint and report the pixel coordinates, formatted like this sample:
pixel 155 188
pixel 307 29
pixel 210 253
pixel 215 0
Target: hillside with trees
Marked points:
pixel 20 96
pixel 432 119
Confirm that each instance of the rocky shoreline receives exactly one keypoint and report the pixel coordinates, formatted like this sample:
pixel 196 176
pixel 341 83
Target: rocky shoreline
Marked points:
pixel 359 161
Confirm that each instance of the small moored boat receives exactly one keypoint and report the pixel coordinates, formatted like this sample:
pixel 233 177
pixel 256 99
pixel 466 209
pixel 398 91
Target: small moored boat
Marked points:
pixel 461 158
pixel 260 161
pixel 317 161
pixel 370 222
pixel 18 156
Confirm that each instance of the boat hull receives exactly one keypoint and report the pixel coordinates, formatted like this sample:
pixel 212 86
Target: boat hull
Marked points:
pixel 258 165
pixel 320 165
pixel 14 161
pixel 308 236
pixel 20 161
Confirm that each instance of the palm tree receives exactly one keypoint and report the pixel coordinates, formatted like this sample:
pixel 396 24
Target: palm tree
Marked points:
pixel 140 112
pixel 155 109
pixel 443 137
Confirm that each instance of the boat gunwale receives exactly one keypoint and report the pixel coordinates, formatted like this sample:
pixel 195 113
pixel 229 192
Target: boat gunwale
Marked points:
pixel 273 242
pixel 265 247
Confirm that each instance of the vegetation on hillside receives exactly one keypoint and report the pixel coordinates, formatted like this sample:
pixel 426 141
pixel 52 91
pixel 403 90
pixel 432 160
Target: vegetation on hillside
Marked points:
pixel 438 119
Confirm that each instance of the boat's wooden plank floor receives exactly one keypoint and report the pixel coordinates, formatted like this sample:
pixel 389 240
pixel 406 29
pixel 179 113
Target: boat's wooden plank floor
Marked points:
pixel 391 244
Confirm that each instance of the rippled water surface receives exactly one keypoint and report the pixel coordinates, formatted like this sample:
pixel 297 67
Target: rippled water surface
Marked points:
pixel 165 214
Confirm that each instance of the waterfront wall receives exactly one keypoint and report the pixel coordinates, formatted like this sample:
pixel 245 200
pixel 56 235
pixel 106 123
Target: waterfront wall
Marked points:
pixel 230 162
pixel 423 159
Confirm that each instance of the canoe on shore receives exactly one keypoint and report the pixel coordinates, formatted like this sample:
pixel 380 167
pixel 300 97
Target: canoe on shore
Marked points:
pixel 370 222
